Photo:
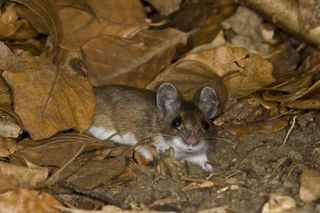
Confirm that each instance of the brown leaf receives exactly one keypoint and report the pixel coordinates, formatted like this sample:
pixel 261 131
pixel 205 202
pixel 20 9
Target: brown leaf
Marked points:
pixel 7 147
pixel 79 27
pixel 55 151
pixel 25 200
pixel 12 27
pixel 309 17
pixel 94 173
pixel 249 30
pixel 263 126
pixel 128 12
pixel 9 60
pixel 79 4
pixel 243 73
pixel 274 11
pixel 18 176
pixel 165 7
pixel 310 185
pixel 189 76
pixel 48 21
pixel 135 61
pixel 8 126
pixel 243 111
pixel 279 204
pixel 48 101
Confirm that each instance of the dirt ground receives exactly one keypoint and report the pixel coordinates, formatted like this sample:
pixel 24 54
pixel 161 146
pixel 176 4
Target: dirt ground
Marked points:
pixel 247 170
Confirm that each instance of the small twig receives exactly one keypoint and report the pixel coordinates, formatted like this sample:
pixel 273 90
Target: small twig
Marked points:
pixel 289 130
pixel 54 178
pixel 92 194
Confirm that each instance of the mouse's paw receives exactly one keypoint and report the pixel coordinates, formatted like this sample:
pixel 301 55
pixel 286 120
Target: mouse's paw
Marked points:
pixel 208 167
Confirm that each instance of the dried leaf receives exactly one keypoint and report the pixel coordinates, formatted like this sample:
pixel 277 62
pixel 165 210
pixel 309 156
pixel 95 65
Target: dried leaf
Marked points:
pixel 190 76
pixel 79 26
pixel 165 7
pixel 285 13
pixel 48 101
pixel 243 73
pixel 7 147
pixel 12 27
pixel 8 126
pixel 309 11
pixel 274 125
pixel 25 200
pixel 249 31
pixel 9 60
pixel 48 21
pixel 21 176
pixel 279 204
pixel 94 173
pixel 79 4
pixel 129 12
pixel 137 60
pixel 310 185
pixel 55 151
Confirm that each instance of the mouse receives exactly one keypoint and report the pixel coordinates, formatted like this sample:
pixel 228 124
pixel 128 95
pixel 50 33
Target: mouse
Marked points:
pixel 127 115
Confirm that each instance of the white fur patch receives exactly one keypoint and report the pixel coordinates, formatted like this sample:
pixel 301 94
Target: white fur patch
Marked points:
pixel 194 154
pixel 126 139
pixel 100 132
pixel 160 144
pixel 180 147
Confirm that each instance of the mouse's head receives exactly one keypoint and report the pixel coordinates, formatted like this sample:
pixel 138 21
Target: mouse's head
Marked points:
pixel 186 124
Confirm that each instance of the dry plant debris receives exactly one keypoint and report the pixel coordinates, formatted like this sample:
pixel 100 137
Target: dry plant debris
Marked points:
pixel 261 57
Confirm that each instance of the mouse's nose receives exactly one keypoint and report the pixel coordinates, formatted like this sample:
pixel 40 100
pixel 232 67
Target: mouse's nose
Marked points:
pixel 191 140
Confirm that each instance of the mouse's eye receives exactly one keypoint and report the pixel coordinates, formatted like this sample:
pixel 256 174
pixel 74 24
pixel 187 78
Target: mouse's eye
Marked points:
pixel 205 125
pixel 176 122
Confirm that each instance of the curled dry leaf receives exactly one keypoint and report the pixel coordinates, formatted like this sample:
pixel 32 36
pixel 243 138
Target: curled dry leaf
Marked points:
pixel 139 53
pixel 129 12
pixel 189 77
pixel 94 173
pixel 309 17
pixel 285 13
pixel 55 151
pixel 279 204
pixel 250 32
pixel 7 147
pixel 135 61
pixel 299 89
pixel 12 27
pixel 24 200
pixel 244 110
pixel 310 185
pixel 48 101
pixel 22 176
pixel 8 126
pixel 8 60
pixel 263 126
pixel 222 68
pixel 243 73
pixel 165 7
pixel 48 21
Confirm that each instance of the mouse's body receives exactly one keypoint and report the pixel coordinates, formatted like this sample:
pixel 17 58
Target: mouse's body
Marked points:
pixel 127 115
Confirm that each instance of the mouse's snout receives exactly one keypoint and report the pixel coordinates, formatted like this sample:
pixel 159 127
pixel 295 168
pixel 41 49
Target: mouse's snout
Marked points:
pixel 191 140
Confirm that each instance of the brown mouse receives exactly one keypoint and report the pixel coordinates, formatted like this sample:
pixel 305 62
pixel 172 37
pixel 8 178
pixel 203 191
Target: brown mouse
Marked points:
pixel 127 115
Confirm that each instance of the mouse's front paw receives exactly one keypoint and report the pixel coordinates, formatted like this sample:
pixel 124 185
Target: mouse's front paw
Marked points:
pixel 208 167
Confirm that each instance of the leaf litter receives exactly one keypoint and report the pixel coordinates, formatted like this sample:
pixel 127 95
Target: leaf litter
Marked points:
pixel 266 154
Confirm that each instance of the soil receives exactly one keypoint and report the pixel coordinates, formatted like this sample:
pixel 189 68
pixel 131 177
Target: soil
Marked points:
pixel 247 170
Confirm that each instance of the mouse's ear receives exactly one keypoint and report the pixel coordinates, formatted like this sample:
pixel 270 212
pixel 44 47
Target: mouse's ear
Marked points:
pixel 167 99
pixel 208 102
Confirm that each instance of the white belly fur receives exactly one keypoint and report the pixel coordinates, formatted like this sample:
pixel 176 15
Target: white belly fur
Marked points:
pixel 159 142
